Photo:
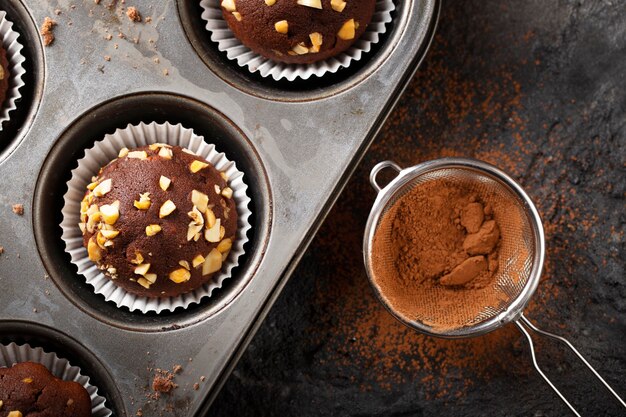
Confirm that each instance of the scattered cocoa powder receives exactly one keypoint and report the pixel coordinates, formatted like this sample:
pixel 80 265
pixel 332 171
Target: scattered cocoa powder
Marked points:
pixel 46 31
pixel 435 253
pixel 18 209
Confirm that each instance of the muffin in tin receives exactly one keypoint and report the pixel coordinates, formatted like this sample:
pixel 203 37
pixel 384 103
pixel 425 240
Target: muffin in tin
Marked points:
pixel 298 31
pixel 28 388
pixel 159 221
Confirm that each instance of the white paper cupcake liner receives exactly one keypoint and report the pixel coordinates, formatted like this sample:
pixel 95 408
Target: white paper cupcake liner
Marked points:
pixel 245 57
pixel 61 368
pixel 108 149
pixel 15 59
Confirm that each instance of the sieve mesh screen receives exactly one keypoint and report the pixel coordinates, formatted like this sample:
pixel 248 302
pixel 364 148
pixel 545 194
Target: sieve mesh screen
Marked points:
pixel 431 305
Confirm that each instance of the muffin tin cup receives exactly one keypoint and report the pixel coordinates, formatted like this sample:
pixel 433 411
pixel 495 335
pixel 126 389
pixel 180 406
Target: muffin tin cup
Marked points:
pixel 15 59
pixel 102 153
pixel 253 62
pixel 61 368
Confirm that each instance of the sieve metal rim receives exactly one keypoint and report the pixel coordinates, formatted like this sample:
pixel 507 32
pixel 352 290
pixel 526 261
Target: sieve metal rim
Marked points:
pixel 385 194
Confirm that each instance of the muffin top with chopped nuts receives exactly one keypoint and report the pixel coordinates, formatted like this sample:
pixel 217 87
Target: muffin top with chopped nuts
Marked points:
pixel 158 220
pixel 298 31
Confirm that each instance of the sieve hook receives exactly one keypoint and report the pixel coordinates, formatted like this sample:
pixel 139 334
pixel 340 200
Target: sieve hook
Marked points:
pixel 379 167
pixel 525 327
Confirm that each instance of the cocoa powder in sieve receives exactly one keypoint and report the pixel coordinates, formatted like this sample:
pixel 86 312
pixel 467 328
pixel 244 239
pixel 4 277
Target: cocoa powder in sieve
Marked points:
pixel 435 253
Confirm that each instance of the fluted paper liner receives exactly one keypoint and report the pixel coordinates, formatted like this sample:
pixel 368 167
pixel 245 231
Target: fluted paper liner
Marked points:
pixel 61 368
pixel 108 149
pixel 15 59
pixel 245 57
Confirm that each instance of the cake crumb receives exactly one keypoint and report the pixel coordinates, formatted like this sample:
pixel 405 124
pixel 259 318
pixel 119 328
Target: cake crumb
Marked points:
pixel 177 369
pixel 166 72
pixel 108 37
pixel 107 58
pixel 202 378
pixel 46 31
pixel 1 250
pixel 18 209
pixel 139 412
pixel 57 12
pixel 133 14
pixel 196 386
pixel 148 19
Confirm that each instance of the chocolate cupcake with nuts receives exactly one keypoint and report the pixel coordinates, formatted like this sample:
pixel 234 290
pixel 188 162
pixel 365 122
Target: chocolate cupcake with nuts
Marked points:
pixel 159 221
pixel 289 39
pixel 298 31
pixel 28 388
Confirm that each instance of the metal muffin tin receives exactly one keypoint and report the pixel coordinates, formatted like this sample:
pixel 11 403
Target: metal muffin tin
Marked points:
pixel 296 142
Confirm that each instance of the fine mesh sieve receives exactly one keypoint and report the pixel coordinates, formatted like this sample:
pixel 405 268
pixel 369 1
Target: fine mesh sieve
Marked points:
pixel 521 256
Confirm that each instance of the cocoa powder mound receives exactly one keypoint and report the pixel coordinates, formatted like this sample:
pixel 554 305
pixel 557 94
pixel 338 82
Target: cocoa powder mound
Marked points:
pixel 436 253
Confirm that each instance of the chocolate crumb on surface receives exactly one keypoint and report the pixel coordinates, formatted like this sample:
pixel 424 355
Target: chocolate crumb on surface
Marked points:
pixel 133 14
pixel 18 209
pixel 46 31
pixel 177 369
pixel 1 250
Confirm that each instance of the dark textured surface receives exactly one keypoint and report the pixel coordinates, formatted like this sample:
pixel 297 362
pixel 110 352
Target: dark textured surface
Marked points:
pixel 536 88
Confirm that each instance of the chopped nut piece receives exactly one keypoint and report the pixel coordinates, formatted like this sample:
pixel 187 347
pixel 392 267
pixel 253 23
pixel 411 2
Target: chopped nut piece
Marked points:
pixel 142 269
pixel 100 240
pixel 223 175
pixel 110 234
pixel 151 278
pixel 123 153
pixel 200 200
pixel 300 49
pixel 144 282
pixel 144 202
pixel 281 26
pixel 197 261
pixel 103 188
pixel 193 230
pixel 110 213
pixel 316 4
pixel 180 275
pixel 213 262
pixel 270 2
pixel 152 229
pixel 197 166
pixel 165 153
pixel 217 189
pixel 93 250
pixel 166 209
pixel 213 234
pixel 15 413
pixel 338 5
pixel 27 380
pixel 18 209
pixel 91 186
pixel 347 31
pixel 210 218
pixel 196 216
pixel 225 245
pixel 138 258
pixel 237 16
pixel 164 183
pixel 184 264
pixel 227 192
pixel 138 155
pixel 316 41
pixel 229 5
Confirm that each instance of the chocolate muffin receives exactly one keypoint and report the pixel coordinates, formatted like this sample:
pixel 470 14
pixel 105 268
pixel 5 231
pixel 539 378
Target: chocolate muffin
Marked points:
pixel 298 31
pixel 29 389
pixel 4 74
pixel 159 220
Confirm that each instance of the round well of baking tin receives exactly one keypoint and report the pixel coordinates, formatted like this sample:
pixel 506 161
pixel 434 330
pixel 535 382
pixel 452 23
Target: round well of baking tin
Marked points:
pixel 44 340
pixel 105 119
pixel 314 88
pixel 22 117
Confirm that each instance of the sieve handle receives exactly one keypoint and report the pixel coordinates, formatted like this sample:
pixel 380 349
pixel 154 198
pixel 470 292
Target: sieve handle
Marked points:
pixel 526 327
pixel 379 167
